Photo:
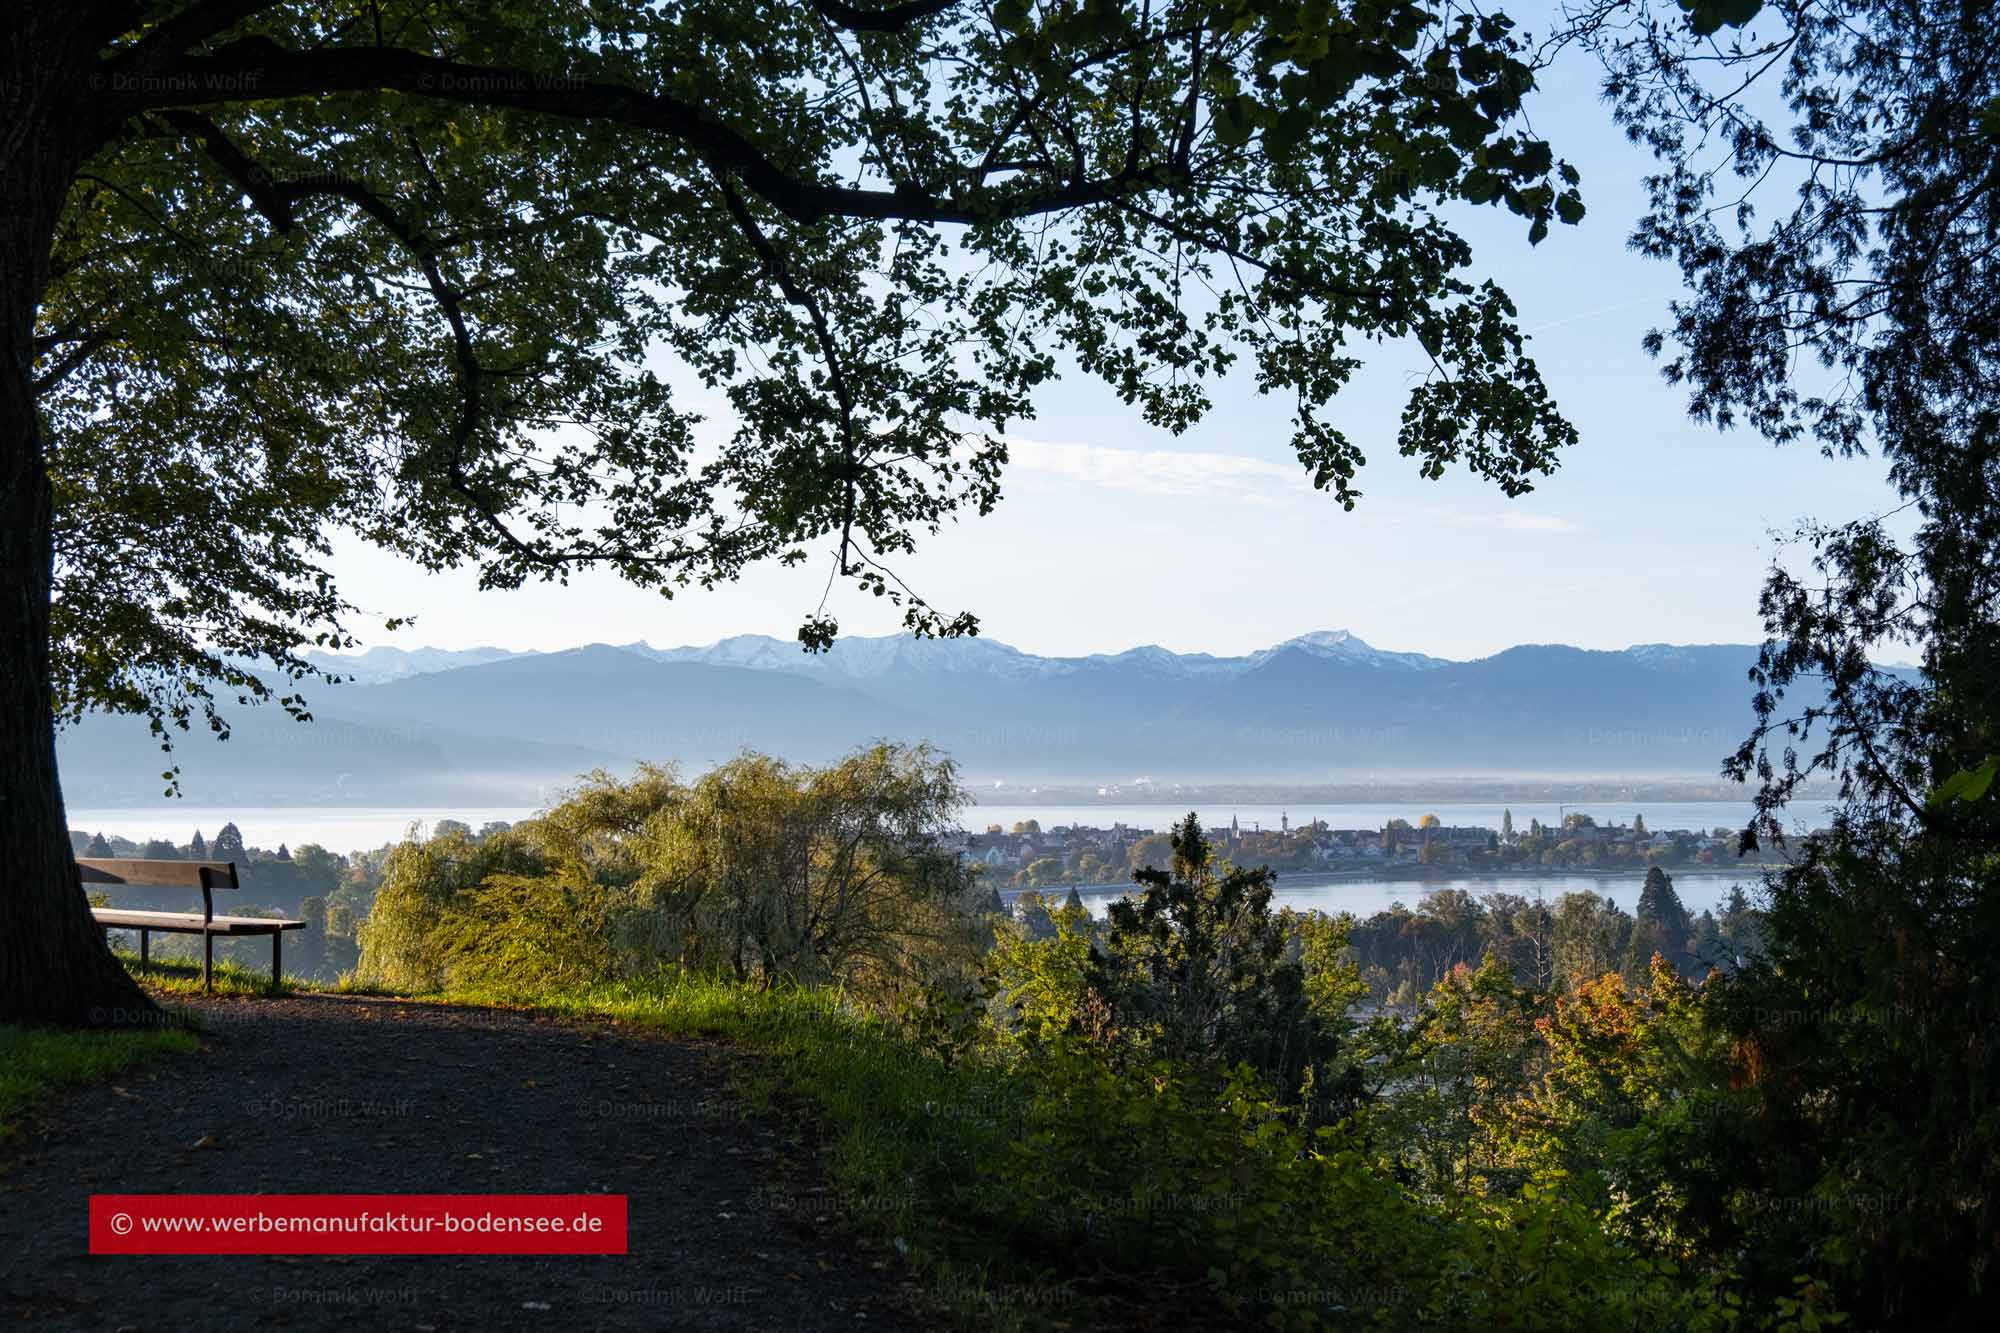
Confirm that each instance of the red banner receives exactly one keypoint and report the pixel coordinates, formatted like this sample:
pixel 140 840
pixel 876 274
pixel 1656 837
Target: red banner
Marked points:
pixel 357 1224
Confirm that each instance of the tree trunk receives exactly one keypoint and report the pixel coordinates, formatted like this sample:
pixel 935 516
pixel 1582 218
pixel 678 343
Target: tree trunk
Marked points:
pixel 54 964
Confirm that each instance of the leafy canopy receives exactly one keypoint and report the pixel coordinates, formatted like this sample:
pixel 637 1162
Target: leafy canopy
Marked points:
pixel 466 281
pixel 1829 186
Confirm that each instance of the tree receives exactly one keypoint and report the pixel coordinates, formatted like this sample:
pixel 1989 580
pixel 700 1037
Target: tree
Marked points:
pixel 1589 940
pixel 97 846
pixel 1507 825
pixel 228 845
pixel 841 876
pixel 1429 822
pixel 1027 826
pixel 318 868
pixel 284 853
pixel 1043 870
pixel 1392 834
pixel 388 248
pixel 1639 831
pixel 1033 912
pixel 1155 851
pixel 1740 928
pixel 1661 910
pixel 1829 188
pixel 1522 933
pixel 159 849
pixel 1196 967
pixel 197 847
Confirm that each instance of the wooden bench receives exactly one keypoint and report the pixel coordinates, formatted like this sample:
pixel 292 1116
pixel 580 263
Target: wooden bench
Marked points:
pixel 204 875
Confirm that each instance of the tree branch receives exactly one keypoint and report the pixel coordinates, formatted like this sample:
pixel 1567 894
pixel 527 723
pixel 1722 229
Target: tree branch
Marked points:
pixel 830 349
pixel 191 27
pixel 252 179
pixel 895 19
pixel 259 68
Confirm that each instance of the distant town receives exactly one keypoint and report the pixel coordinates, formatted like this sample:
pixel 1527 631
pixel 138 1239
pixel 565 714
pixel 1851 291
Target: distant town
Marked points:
pixel 1026 855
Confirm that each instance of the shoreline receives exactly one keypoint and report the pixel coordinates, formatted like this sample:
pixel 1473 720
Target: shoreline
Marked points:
pixel 1405 873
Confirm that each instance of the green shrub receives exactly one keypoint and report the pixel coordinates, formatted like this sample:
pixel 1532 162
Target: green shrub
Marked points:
pixel 840 875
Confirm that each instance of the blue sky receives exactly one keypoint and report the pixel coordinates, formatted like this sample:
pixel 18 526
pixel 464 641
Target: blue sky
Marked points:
pixel 1114 534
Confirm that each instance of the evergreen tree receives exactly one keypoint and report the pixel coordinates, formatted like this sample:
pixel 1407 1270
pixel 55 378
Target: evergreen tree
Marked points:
pixel 198 847
pixel 1639 827
pixel 1199 962
pixel 1507 825
pixel 284 852
pixel 97 846
pixel 1741 928
pixel 1661 909
pixel 1842 277
pixel 229 845
pixel 1706 948
pixel 1641 944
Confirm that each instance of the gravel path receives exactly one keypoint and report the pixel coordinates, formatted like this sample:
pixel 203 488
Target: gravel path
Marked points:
pixel 331 1094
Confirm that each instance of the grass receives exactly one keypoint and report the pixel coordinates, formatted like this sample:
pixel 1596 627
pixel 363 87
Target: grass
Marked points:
pixel 182 976
pixel 35 1062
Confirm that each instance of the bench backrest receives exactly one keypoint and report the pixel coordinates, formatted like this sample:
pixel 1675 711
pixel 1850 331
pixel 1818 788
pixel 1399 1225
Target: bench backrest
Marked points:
pixel 203 875
pixel 159 874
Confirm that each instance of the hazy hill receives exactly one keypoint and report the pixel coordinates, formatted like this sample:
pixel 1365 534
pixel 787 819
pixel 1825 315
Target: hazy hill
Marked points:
pixel 1324 706
pixel 623 702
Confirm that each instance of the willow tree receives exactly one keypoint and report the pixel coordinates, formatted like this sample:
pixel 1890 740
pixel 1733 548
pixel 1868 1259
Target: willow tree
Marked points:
pixel 428 272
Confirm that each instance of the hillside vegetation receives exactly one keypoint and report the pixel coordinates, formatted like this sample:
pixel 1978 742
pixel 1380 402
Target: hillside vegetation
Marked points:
pixel 1182 1107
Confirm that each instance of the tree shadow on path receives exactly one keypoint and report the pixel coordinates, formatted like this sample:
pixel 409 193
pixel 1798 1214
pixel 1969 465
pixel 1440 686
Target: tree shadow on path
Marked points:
pixel 343 1095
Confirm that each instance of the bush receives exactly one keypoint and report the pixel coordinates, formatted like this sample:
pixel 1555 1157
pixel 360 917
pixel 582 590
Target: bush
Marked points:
pixel 763 871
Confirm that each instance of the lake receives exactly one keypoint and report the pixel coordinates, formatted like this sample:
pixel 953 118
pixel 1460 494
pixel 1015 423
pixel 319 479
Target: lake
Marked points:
pixel 1365 897
pixel 361 828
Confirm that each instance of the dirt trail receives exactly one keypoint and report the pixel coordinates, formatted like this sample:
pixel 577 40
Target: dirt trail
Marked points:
pixel 325 1094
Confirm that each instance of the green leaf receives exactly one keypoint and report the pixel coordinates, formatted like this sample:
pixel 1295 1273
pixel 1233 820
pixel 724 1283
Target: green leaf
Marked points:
pixel 1706 16
pixel 1968 784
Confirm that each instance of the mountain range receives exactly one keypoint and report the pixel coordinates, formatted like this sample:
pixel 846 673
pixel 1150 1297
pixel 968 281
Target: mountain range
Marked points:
pixel 485 724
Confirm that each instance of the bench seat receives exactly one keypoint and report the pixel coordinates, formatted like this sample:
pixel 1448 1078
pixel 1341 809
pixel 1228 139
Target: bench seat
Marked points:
pixel 206 876
pixel 191 923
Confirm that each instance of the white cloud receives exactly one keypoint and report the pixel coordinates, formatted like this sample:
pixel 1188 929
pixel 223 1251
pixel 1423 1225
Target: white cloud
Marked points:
pixel 1156 471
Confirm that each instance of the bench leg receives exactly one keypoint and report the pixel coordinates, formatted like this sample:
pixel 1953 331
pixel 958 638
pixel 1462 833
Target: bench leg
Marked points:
pixel 207 961
pixel 277 958
pixel 144 937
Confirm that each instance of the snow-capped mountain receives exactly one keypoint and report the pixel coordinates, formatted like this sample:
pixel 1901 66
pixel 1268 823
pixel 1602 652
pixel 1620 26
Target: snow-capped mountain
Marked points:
pixel 1343 646
pixel 378 665
pixel 863 658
